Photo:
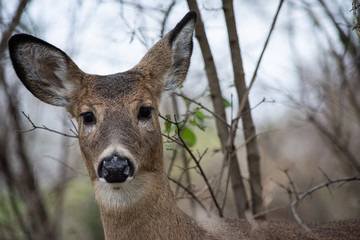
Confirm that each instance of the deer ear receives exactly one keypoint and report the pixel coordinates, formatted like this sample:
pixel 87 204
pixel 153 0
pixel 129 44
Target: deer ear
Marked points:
pixel 46 71
pixel 180 39
pixel 169 59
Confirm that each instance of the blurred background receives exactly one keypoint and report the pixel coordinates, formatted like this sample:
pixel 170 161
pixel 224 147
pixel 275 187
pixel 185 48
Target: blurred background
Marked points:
pixel 304 104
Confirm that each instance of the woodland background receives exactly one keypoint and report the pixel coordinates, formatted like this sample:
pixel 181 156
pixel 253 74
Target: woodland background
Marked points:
pixel 267 124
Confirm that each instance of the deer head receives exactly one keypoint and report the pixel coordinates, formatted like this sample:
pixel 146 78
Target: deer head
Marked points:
pixel 117 115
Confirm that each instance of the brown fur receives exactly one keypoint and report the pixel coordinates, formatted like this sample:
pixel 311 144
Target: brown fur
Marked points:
pixel 275 230
pixel 143 207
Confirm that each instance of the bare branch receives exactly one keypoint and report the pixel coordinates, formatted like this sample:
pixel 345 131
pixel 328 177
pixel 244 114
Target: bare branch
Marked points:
pixel 356 16
pixel 257 215
pixel 67 166
pixel 203 107
pixel 191 194
pixel 245 96
pixel 166 15
pixel 202 173
pixel 336 142
pixel 292 184
pixel 46 128
pixel 266 44
pixel 13 24
pixel 295 203
pixel 345 39
pixel 180 141
pixel 252 137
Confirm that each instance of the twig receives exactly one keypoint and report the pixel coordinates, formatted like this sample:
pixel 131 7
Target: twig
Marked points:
pixel 67 166
pixel 76 130
pixel 166 16
pixel 287 189
pixel 182 153
pixel 245 97
pixel 197 162
pixel 292 184
pixel 5 35
pixel 296 202
pixel 46 128
pixel 203 107
pixel 172 139
pixel 356 13
pixel 336 142
pixel 249 139
pixel 269 211
pixel 226 184
pixel 328 178
pixel 190 193
pixel 254 107
pixel 180 141
pixel 266 43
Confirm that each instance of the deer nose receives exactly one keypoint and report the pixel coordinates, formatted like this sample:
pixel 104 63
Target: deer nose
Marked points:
pixel 115 169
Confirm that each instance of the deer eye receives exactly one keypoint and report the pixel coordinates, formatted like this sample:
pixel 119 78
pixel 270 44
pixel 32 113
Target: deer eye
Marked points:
pixel 88 118
pixel 145 113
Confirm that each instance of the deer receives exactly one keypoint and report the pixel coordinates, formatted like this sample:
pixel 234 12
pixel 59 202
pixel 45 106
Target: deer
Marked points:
pixel 121 143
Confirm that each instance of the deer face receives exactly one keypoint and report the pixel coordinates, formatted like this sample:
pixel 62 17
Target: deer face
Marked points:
pixel 117 115
pixel 119 134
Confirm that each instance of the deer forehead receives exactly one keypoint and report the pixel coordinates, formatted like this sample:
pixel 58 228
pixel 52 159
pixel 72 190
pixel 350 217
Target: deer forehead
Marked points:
pixel 126 91
pixel 118 85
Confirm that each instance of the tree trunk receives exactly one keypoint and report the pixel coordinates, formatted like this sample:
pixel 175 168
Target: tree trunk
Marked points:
pixel 252 150
pixel 219 109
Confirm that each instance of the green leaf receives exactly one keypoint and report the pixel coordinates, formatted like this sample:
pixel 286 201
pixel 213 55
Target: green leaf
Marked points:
pixel 168 124
pixel 226 103
pixel 169 146
pixel 201 127
pixel 188 137
pixel 193 122
pixel 199 115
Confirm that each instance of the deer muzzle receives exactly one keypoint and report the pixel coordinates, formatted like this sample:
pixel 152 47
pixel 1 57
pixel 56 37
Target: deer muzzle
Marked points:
pixel 115 169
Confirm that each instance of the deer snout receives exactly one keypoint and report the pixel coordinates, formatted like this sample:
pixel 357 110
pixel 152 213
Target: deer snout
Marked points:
pixel 115 169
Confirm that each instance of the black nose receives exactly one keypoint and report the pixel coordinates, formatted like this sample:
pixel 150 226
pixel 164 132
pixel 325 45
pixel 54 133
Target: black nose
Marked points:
pixel 115 169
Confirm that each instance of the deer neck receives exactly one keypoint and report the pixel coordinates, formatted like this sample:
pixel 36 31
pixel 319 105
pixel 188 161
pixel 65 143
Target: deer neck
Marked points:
pixel 153 216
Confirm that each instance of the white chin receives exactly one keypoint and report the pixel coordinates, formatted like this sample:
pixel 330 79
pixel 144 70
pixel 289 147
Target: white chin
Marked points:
pixel 114 196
